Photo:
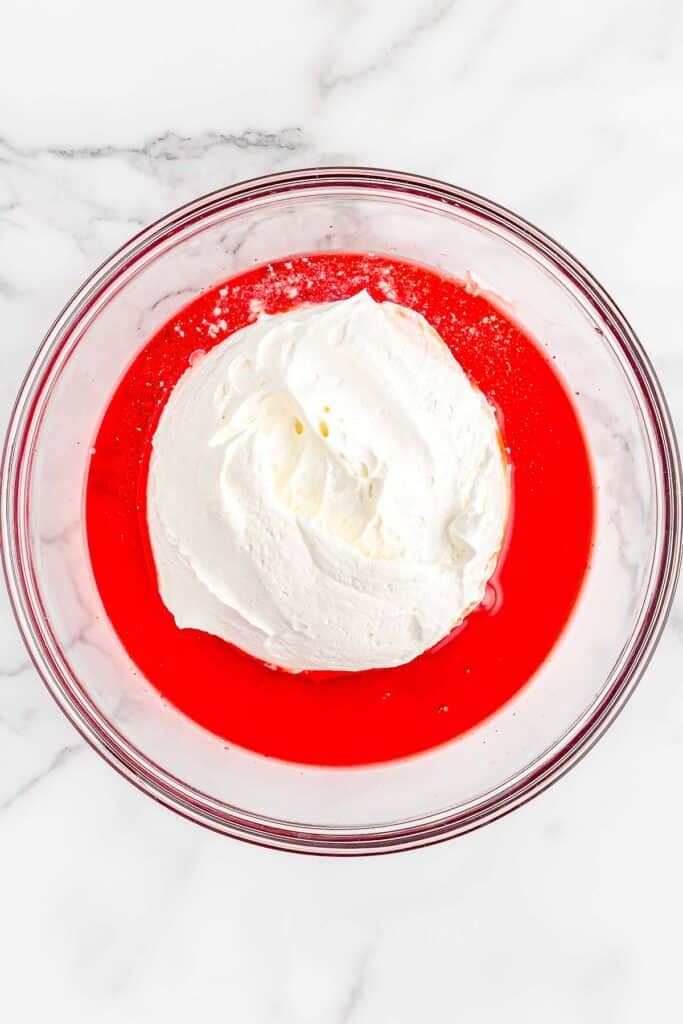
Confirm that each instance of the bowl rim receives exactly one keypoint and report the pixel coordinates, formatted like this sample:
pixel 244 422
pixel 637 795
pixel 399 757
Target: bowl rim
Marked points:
pixel 238 823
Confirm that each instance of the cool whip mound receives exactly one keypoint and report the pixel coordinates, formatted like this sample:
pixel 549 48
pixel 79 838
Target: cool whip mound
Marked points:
pixel 327 489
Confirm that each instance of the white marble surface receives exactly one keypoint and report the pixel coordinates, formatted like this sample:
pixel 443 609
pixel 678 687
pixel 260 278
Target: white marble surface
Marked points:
pixel 112 909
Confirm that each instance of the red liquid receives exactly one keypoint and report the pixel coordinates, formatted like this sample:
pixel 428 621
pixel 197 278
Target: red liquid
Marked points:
pixel 353 718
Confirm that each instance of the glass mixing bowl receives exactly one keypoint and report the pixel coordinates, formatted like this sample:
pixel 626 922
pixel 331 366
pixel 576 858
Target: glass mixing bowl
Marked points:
pixel 563 709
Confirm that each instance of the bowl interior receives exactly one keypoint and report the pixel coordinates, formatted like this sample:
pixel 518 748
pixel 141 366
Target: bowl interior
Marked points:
pixel 482 773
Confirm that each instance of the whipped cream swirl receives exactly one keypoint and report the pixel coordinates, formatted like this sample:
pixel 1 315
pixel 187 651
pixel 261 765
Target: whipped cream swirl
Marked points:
pixel 327 489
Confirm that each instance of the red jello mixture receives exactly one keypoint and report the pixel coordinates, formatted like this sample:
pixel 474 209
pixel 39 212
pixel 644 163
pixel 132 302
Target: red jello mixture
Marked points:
pixel 364 717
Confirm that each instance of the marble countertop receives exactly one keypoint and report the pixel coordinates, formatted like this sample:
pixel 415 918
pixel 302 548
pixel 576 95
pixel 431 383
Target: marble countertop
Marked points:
pixel 112 908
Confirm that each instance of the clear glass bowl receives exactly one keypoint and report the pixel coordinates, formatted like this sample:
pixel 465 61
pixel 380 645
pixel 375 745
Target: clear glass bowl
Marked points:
pixel 570 701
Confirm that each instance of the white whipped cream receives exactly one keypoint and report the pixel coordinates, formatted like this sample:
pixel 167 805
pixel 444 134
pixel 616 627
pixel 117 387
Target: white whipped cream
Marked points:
pixel 327 489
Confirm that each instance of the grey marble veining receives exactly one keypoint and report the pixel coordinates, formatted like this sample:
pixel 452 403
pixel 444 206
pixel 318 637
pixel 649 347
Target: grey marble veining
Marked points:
pixel 115 910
